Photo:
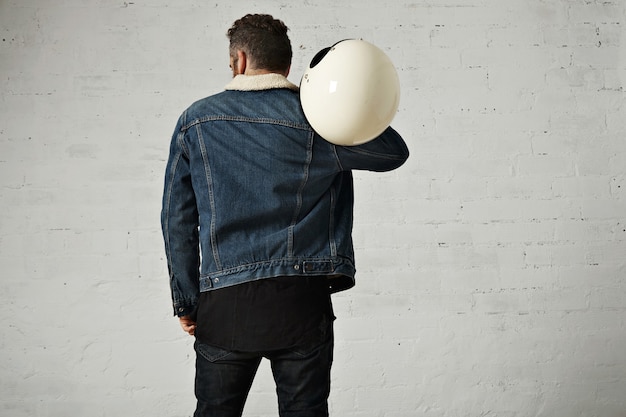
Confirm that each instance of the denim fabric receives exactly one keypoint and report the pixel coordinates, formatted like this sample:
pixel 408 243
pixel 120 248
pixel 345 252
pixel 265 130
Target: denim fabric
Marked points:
pixel 252 192
pixel 302 376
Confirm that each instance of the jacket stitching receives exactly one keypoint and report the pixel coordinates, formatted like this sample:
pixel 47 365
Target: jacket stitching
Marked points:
pixel 206 119
pixel 378 155
pixel 209 180
pixel 296 212
pixel 260 264
pixel 331 221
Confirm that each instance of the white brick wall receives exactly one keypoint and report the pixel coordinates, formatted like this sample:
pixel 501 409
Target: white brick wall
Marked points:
pixel 491 267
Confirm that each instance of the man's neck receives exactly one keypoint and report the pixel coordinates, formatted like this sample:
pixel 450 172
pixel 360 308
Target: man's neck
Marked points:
pixel 260 71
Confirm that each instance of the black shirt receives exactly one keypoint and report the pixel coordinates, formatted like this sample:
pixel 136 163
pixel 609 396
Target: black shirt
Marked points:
pixel 269 314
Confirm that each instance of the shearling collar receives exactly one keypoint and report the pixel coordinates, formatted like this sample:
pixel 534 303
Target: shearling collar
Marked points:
pixel 260 82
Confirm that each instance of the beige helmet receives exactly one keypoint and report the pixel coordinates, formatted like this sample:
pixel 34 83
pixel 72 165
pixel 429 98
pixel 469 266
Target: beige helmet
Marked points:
pixel 350 92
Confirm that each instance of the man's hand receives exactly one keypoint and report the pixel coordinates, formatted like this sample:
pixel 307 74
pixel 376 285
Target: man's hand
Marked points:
pixel 188 324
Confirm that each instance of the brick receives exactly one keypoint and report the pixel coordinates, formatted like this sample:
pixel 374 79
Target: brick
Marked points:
pixel 487 265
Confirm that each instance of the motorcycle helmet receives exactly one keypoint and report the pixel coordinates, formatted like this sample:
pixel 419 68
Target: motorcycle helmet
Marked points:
pixel 350 92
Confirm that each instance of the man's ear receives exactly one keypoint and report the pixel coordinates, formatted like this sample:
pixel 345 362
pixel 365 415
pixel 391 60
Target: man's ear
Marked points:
pixel 241 62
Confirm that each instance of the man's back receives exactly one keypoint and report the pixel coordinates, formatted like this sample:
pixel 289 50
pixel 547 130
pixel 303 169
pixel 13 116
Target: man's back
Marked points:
pixel 268 191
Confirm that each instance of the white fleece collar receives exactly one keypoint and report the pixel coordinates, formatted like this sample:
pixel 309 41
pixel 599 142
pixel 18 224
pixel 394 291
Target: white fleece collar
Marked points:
pixel 243 82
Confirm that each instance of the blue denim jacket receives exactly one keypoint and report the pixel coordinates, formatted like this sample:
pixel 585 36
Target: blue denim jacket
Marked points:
pixel 252 192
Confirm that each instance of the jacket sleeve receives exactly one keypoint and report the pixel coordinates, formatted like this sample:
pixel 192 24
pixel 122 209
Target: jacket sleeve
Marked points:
pixel 384 153
pixel 179 223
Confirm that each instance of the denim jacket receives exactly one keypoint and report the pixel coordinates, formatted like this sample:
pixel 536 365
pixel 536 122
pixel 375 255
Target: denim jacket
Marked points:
pixel 252 192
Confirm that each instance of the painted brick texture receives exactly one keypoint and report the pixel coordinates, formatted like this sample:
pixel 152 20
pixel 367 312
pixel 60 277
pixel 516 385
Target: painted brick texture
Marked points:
pixel 491 267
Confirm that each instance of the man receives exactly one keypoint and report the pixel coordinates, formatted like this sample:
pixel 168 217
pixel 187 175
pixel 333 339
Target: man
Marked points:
pixel 257 222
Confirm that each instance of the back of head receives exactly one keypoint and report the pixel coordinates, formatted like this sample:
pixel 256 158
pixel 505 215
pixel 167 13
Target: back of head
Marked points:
pixel 263 39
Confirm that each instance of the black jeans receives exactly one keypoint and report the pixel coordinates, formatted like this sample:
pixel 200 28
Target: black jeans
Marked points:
pixel 302 376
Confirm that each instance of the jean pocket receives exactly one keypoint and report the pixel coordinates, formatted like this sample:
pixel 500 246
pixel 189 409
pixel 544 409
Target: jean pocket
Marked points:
pixel 211 353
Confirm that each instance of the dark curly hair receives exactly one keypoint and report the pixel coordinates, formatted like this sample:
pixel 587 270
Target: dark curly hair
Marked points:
pixel 264 39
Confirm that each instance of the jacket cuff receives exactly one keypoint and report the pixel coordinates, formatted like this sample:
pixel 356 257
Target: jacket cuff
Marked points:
pixel 181 311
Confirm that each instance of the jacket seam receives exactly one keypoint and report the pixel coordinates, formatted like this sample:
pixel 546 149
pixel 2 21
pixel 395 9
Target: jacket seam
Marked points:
pixel 166 220
pixel 337 159
pixel 331 222
pixel 334 260
pixel 378 155
pixel 296 212
pixel 205 119
pixel 209 181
